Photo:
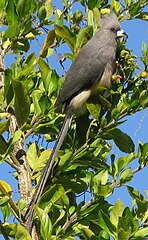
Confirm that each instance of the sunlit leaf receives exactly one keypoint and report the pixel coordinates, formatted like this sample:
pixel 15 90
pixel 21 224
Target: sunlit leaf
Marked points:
pixel 126 176
pixel 4 126
pixel 67 35
pixel 17 232
pixel 46 224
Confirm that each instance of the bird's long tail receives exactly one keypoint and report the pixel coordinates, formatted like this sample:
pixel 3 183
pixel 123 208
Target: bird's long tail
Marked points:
pixel 46 172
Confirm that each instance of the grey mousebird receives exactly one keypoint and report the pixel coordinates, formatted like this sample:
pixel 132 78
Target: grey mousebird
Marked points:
pixel 93 67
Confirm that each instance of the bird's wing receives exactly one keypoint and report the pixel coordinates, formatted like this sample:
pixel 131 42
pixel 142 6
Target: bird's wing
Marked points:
pixel 86 69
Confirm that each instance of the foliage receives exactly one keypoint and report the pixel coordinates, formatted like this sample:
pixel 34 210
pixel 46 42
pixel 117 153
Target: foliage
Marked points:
pixel 31 87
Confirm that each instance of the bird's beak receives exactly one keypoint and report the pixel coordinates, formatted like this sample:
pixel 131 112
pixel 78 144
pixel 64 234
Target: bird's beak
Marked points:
pixel 121 33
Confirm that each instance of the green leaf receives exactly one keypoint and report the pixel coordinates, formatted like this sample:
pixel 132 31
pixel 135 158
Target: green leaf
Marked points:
pixel 104 190
pixel 30 60
pixel 122 162
pixel 70 56
pixel 32 155
pixel 4 201
pixel 36 95
pixel 117 211
pixel 44 104
pixel 11 15
pixel 49 8
pixel 77 17
pixel 122 140
pixel 51 196
pixel 93 3
pixel 48 42
pixel 64 160
pixel 144 49
pixel 53 83
pixel 143 153
pixel 4 126
pixel 45 72
pixel 21 205
pixel 141 234
pixel 87 233
pixel 3 145
pixel 21 102
pixel 83 36
pixel 42 13
pixel 41 161
pixel 126 176
pixel 6 212
pixel 8 86
pixel 17 231
pixel 135 194
pixel 105 223
pixel 25 7
pixel 21 44
pixel 67 35
pixel 90 18
pixel 94 107
pixel 125 225
pixel 45 223
pixel 116 6
pixel 17 135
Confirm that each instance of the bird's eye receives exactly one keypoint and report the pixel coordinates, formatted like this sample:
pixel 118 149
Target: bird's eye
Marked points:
pixel 113 29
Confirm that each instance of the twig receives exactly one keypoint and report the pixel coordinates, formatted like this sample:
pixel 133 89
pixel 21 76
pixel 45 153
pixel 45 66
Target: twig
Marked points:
pixel 119 184
pixel 74 217
pixel 13 165
pixel 69 6
pixel 14 160
pixel 29 132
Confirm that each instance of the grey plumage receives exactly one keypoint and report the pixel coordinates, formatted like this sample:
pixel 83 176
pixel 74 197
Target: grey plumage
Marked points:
pixel 93 66
pixel 88 67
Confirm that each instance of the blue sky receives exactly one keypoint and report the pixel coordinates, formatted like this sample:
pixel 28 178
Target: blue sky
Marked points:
pixel 136 125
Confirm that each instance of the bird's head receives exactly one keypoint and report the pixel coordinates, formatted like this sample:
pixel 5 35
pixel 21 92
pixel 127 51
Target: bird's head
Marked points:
pixel 110 24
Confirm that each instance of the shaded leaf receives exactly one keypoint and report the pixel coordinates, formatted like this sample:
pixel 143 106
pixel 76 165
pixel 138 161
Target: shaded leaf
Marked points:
pixel 3 145
pixel 25 7
pixel 21 103
pixel 51 196
pixel 93 3
pixel 122 140
pixel 11 15
pixel 42 13
pixel 83 36
pixel 105 223
pixel 48 42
